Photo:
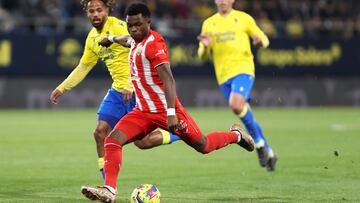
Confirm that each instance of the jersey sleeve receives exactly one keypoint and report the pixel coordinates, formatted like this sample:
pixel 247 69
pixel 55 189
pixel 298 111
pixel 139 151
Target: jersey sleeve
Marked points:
pixel 89 57
pixel 204 53
pixel 87 62
pixel 75 77
pixel 156 52
pixel 253 29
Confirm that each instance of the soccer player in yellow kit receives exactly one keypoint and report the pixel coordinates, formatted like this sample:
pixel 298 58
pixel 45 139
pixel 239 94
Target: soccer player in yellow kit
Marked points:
pixel 119 100
pixel 226 36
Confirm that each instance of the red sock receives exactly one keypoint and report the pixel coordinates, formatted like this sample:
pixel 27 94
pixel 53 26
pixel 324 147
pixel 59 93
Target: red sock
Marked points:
pixel 112 159
pixel 217 140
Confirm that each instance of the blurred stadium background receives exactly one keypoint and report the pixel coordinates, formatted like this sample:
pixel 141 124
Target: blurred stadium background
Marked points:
pixel 313 61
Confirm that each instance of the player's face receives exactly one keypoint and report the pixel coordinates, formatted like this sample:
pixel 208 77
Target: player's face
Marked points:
pixel 224 6
pixel 138 26
pixel 97 13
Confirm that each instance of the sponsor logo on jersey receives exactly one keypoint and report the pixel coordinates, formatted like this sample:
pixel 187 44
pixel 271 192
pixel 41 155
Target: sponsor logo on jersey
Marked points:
pixel 160 52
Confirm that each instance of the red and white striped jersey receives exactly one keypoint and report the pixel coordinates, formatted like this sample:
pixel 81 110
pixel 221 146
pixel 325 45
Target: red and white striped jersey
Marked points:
pixel 144 57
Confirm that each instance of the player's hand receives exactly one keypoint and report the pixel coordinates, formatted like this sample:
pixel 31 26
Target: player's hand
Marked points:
pixel 256 40
pixel 54 95
pixel 205 39
pixel 105 42
pixel 172 123
pixel 127 95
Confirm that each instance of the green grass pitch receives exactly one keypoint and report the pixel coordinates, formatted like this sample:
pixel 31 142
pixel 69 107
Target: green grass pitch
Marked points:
pixel 45 156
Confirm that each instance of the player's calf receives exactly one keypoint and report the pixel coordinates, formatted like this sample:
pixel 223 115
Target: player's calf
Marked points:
pixel 156 138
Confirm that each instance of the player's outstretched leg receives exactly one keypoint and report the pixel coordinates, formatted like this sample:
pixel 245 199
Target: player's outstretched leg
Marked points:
pixel 100 193
pixel 216 140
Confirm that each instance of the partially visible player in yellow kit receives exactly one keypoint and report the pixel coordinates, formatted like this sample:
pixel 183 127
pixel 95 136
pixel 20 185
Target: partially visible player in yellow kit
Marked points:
pixel 226 37
pixel 119 100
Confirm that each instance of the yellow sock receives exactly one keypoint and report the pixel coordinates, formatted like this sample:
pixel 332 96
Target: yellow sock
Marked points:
pixel 166 136
pixel 101 162
pixel 244 111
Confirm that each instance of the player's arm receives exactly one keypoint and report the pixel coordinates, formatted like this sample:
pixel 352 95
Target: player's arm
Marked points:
pixel 167 78
pixel 128 91
pixel 87 62
pixel 119 35
pixel 75 77
pixel 123 40
pixel 257 35
pixel 205 42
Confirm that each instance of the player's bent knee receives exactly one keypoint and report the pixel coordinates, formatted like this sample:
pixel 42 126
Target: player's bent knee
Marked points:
pixel 119 136
pixel 237 109
pixel 140 144
pixel 237 105
pixel 99 134
pixel 203 151
pixel 200 146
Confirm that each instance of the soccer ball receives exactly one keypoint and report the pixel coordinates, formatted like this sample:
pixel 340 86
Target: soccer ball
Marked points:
pixel 145 193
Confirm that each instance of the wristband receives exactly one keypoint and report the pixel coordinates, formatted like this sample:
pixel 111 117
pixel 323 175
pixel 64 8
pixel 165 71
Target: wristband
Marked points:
pixel 170 112
pixel 111 38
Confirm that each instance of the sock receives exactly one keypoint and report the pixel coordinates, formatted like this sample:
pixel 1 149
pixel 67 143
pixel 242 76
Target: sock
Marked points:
pixel 251 126
pixel 265 143
pixel 165 135
pixel 217 140
pixel 173 137
pixel 101 167
pixel 168 137
pixel 113 159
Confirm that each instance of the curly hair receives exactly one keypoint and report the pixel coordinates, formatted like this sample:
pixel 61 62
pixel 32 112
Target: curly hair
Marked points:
pixel 138 8
pixel 108 3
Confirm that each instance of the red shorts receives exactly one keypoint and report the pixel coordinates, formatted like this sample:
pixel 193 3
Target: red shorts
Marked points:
pixel 138 124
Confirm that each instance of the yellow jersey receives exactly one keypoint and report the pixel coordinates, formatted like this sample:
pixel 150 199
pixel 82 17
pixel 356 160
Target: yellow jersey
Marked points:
pixel 230 48
pixel 115 57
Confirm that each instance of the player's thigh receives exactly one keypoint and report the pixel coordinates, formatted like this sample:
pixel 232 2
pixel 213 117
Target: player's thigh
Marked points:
pixel 226 89
pixel 242 85
pixel 135 125
pixel 188 131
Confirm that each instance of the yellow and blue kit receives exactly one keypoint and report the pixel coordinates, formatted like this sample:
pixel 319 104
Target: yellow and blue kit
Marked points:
pixel 115 58
pixel 231 53
pixel 230 48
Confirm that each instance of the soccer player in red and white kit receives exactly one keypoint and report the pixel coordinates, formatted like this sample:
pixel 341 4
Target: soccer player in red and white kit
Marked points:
pixel 156 103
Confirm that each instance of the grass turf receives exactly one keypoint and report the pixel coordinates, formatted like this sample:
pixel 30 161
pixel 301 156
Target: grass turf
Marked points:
pixel 45 156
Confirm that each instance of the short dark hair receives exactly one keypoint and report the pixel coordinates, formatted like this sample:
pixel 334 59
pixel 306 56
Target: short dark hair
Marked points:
pixel 138 8
pixel 108 3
